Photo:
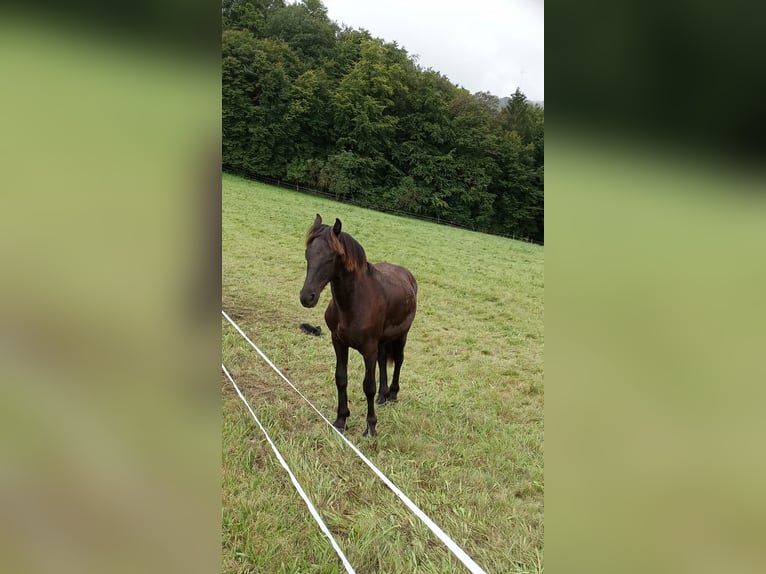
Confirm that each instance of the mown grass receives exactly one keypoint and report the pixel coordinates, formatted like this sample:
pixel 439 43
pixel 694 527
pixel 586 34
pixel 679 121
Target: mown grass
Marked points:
pixel 465 440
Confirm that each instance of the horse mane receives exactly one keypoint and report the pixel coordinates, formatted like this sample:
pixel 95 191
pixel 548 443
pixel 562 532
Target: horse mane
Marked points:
pixel 351 252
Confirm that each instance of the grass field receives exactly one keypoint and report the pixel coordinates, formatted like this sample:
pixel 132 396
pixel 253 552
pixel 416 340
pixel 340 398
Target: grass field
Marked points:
pixel 465 440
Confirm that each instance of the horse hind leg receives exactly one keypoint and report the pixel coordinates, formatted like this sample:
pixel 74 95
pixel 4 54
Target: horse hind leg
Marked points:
pixel 382 360
pixel 396 352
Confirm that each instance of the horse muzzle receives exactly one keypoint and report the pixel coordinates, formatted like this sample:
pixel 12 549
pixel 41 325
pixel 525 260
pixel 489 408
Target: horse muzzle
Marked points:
pixel 309 298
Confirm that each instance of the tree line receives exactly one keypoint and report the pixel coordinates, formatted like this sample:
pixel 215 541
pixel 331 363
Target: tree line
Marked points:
pixel 332 108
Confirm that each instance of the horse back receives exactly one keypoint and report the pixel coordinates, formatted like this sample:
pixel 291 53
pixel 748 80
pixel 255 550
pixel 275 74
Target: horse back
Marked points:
pixel 397 281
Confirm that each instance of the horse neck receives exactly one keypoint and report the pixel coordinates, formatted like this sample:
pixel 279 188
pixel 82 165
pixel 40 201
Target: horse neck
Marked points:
pixel 344 286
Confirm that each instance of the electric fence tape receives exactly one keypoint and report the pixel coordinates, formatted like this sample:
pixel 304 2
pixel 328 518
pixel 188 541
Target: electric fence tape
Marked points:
pixel 467 561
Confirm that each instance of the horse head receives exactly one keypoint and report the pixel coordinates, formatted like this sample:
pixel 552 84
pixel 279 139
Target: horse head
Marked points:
pixel 324 253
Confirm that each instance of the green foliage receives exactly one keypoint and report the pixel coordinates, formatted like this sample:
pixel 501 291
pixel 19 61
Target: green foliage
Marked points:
pixel 516 116
pixel 341 173
pixel 333 108
pixel 247 15
pixel 306 28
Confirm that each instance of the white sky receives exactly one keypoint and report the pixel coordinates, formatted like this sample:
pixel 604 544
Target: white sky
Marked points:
pixel 481 45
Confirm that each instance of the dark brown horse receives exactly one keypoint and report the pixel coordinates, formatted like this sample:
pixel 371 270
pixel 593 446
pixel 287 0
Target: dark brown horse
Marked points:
pixel 371 310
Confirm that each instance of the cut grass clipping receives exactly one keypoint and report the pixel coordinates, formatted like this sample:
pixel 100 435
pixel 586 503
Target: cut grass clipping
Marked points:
pixel 465 440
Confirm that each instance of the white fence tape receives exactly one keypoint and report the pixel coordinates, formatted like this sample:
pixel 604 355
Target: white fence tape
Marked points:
pixel 298 487
pixel 448 542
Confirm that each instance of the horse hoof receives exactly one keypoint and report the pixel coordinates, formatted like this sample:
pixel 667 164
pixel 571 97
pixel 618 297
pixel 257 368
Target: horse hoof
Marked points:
pixel 340 427
pixel 392 398
pixel 370 431
pixel 381 399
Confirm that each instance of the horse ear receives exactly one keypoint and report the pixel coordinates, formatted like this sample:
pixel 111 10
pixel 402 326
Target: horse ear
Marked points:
pixel 318 220
pixel 336 227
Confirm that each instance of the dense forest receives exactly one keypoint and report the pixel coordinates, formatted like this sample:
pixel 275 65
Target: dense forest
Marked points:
pixel 332 108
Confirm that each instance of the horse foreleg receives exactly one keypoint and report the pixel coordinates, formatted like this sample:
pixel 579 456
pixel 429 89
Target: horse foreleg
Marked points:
pixel 383 389
pixel 341 382
pixel 369 390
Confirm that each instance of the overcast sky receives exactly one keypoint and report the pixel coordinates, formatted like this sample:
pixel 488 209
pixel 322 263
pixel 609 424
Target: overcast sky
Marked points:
pixel 481 45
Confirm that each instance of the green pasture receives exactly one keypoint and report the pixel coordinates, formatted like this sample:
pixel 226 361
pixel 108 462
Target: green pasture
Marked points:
pixel 465 440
